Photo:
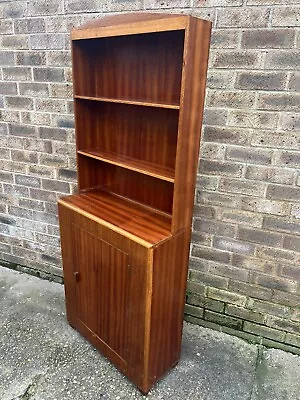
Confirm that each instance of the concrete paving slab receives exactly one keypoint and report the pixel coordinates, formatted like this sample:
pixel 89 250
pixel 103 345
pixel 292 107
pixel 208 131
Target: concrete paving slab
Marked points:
pixel 43 358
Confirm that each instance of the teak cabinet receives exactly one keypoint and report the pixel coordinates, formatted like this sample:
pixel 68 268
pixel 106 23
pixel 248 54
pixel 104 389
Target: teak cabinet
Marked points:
pixel 139 83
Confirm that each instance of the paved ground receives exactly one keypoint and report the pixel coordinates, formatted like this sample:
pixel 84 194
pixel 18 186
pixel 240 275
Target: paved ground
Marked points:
pixel 42 358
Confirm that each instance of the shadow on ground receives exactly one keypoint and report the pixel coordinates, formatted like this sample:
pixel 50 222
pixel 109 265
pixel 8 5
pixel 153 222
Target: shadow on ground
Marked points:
pixel 42 358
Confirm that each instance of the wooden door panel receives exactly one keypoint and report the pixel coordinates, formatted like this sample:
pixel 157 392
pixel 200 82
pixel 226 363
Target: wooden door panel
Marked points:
pixel 101 294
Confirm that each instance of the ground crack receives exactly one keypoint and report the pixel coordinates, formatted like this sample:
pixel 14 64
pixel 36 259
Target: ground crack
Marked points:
pixel 31 388
pixel 260 350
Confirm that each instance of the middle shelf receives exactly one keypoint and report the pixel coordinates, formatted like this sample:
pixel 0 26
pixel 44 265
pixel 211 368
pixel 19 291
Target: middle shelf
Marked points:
pixel 157 171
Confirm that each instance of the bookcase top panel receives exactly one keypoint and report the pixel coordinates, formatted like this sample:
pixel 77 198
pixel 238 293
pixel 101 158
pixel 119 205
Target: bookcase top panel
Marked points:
pixel 134 23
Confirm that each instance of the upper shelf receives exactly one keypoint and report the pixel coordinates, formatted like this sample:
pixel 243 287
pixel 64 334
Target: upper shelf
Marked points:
pixel 135 221
pixel 133 102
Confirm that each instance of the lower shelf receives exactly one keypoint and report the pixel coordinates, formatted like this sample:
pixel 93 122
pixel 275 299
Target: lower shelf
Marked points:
pixel 131 219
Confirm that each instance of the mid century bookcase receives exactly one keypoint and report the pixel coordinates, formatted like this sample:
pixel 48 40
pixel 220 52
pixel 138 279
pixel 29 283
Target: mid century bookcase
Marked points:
pixel 139 82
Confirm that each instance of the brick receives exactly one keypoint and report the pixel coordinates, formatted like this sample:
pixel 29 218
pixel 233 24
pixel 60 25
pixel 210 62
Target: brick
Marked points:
pixel 202 239
pixel 61 90
pixel 209 254
pixel 49 41
pixel 214 227
pixel 8 88
pixel 291 272
pixel 6 27
pixel 289 159
pixel 203 211
pixel 6 58
pixel 294 82
pixel 25 180
pixel 245 314
pixel 288 299
pixel 196 311
pixel 57 186
pixel 249 155
pixel 32 204
pixel 241 218
pixel 63 121
pixel 253 188
pixel 295 211
pixel 286 16
pixel 9 116
pixel 236 59
pixel 53 160
pixel 17 102
pixel 276 283
pixel 260 236
pixel 290 122
pixel 207 182
pixel 44 7
pixel 6 177
pixel 226 135
pixel 231 99
pixel 59 58
pixel 44 146
pixel 278 254
pixel 17 73
pixel 279 101
pixel 282 59
pixel 48 74
pixel 41 170
pixel 245 18
pixel 223 320
pixel 205 302
pixel 3 129
pixel 195 287
pixel 62 24
pixel 275 139
pixel 224 38
pixel 20 212
pixel 208 279
pixel 264 331
pixel 281 192
pixel 15 190
pixel 219 79
pixel 293 340
pixel 248 289
pixel 219 199
pixel 14 42
pixel 251 80
pixel 226 296
pixel 220 168
pixel 276 175
pixel 198 265
pixel 268 308
pixel 292 243
pixel 229 272
pixel 233 245
pixel 268 38
pixel 50 105
pixel 250 119
pixel 13 9
pixel 24 156
pixel 29 25
pixel 30 58
pixel 12 166
pixel 35 118
pixel 21 130
pixel 34 89
pixel 212 151
pixel 52 133
pixel 215 116
pixel 284 325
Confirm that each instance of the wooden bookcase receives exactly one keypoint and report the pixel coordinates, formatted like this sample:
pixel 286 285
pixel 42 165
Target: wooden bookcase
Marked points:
pixel 139 83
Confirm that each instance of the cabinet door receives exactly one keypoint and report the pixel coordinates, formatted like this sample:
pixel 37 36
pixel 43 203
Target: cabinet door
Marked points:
pixel 101 272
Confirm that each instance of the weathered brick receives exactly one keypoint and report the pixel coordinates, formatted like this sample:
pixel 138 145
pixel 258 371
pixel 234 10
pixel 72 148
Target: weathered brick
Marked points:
pixel 198 265
pixel 196 311
pixel 294 82
pixel 59 58
pixel 199 211
pixel 268 38
pixel 288 299
pixel 20 212
pixel 34 89
pixel 52 133
pixel 293 340
pixel 225 38
pixel 286 16
pixel 253 188
pixel 61 90
pixel 12 166
pixel 44 7
pixel 6 58
pixel 291 272
pixel 195 287
pixel 251 80
pixel 221 319
pixel 292 243
pixel 231 99
pixel 3 129
pixel 246 17
pixel 268 308
pixel 264 331
pixel 35 118
pixel 15 42
pixel 281 192
pixel 236 59
pixel 233 245
pixel 212 151
pixel 48 74
pixel 290 122
pixel 201 238
pixel 278 101
pixel 205 302
pixel 253 119
pixel 249 155
pixel 220 79
pixel 17 73
pixel 13 9
pixel 226 296
pixel 50 105
pixel 41 170
pixel 214 227
pixel 44 146
pixel 276 175
pixel 241 217
pixel 62 24
pixel 29 25
pixel 245 314
pixel 6 177
pixel 124 5
pixel 21 130
pixel 62 121
pixel 220 168
pixel 8 88
pixel 49 41
pixel 282 59
pixel 218 199
pixel 76 6
pixel 24 156
pixel 17 102
pixel 53 160
pixel 275 139
pixel 273 282
pixel 229 272
pixel 15 190
pixel 289 159
pixel 32 204
pixel 226 135
pixel 284 325
pixel 57 186
pixel 215 116
pixel 208 279
pixel 30 58
pixel 207 182
pixel 210 254
pixel 260 236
